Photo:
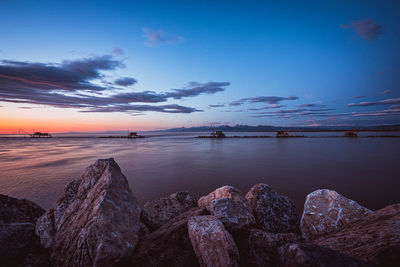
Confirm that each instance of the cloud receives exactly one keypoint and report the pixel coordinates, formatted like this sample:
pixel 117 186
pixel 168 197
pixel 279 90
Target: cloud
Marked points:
pixel 376 103
pixel 262 99
pixel 195 89
pixel 217 106
pixel 79 84
pixel 118 51
pixel 316 105
pixel 367 29
pixel 273 106
pixel 125 81
pixel 68 76
pixel 385 92
pixel 359 96
pixel 156 38
pixel 173 108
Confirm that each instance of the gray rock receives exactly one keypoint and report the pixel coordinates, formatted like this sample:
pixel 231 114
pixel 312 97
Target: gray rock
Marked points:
pixel 272 212
pixel 213 245
pixel 169 245
pixel 19 245
pixel 229 206
pixel 375 238
pixel 235 215
pixel 259 248
pixel 96 222
pixel 226 191
pixel 302 254
pixel 158 212
pixel 326 211
pixel 14 210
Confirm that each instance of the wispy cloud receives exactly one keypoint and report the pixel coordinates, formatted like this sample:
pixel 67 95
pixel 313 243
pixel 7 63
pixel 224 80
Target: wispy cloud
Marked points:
pixel 156 38
pixel 375 103
pixel 195 89
pixel 217 106
pixel 311 105
pixel 118 51
pixel 367 29
pixel 359 96
pixel 80 84
pixel 125 81
pixel 385 92
pixel 273 106
pixel 262 99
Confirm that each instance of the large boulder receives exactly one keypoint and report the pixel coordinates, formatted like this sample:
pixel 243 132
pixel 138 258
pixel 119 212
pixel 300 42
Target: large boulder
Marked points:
pixel 226 191
pixel 326 210
pixel 19 246
pixel 259 248
pixel 272 212
pixel 169 245
pixel 158 212
pixel 302 254
pixel 49 223
pixel 14 210
pixel 375 238
pixel 213 245
pixel 230 207
pixel 96 222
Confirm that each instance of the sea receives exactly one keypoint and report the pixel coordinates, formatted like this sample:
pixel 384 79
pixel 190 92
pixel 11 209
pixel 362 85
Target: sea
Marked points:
pixel 365 168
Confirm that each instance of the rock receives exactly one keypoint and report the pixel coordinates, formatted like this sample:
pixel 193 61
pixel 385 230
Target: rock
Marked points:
pixel 213 245
pixel 226 191
pixel 230 207
pixel 301 254
pixel 156 213
pixel 19 245
pixel 235 215
pixel 326 210
pixel 169 245
pixel 48 224
pixel 14 210
pixel 259 248
pixel 272 212
pixel 96 222
pixel 375 238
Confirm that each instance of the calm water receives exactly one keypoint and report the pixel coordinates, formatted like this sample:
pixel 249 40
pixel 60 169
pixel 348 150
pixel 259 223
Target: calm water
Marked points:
pixel 364 169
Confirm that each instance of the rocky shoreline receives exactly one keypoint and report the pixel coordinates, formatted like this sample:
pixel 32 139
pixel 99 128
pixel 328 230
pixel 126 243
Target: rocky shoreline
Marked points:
pixel 98 222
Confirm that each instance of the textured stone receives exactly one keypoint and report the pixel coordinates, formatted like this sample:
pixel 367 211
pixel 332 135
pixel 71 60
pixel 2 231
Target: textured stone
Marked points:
pixel 169 245
pixel 48 224
pixel 226 191
pixel 96 222
pixel 14 210
pixel 375 238
pixel 229 206
pixel 272 212
pixel 19 245
pixel 158 212
pixel 259 248
pixel 301 254
pixel 235 215
pixel 213 245
pixel 326 210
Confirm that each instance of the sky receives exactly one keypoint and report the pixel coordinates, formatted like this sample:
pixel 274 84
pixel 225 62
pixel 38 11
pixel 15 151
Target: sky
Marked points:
pixel 148 65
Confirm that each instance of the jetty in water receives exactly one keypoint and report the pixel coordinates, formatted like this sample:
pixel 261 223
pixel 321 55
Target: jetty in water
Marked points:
pixel 130 135
pixel 40 135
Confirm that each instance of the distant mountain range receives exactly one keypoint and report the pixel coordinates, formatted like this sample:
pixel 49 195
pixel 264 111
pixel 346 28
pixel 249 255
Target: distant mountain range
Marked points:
pixel 269 128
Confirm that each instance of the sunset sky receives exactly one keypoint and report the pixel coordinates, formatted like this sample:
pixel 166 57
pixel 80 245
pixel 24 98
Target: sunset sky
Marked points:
pixel 146 65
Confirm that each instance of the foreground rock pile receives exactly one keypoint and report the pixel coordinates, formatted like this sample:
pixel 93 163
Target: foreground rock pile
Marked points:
pixel 98 222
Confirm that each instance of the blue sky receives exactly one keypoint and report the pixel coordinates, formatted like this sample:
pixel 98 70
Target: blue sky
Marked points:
pixel 313 58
